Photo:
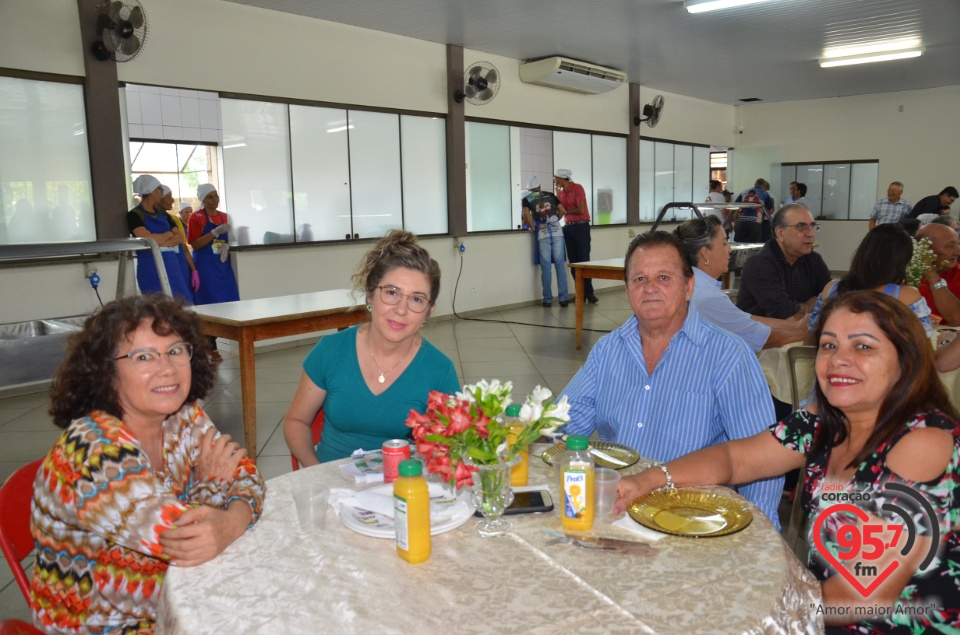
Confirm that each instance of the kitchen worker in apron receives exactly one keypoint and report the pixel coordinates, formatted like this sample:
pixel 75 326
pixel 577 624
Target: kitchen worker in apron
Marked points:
pixel 187 267
pixel 144 221
pixel 208 233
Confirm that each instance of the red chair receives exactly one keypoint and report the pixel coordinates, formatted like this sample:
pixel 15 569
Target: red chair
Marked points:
pixel 15 538
pixel 17 627
pixel 316 432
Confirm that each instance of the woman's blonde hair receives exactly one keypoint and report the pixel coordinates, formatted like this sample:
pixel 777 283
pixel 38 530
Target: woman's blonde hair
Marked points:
pixel 398 249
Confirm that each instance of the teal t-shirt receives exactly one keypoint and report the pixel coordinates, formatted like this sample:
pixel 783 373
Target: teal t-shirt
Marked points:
pixel 354 416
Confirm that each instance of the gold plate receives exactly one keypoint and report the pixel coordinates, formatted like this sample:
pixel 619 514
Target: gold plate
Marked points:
pixel 625 453
pixel 691 513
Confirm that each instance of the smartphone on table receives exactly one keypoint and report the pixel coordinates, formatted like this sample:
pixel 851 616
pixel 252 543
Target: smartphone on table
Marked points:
pixel 528 502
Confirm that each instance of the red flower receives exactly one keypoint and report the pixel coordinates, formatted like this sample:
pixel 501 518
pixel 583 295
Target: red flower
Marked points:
pixel 464 474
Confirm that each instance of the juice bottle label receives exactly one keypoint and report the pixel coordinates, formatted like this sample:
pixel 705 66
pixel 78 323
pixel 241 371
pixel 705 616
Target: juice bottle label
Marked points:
pixel 401 520
pixel 574 493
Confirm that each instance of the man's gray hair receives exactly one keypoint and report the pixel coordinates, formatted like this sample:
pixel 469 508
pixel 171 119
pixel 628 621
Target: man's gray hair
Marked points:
pixel 761 183
pixel 898 184
pixel 780 217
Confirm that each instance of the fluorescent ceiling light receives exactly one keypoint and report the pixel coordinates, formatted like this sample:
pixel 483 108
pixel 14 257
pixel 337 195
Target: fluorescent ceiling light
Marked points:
pixel 887 46
pixel 699 6
pixel 869 57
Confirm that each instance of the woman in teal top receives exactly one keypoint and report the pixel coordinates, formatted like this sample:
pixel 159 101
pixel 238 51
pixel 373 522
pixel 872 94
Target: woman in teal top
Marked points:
pixel 368 378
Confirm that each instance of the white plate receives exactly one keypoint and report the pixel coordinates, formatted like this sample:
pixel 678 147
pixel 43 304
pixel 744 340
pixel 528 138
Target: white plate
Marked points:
pixel 375 525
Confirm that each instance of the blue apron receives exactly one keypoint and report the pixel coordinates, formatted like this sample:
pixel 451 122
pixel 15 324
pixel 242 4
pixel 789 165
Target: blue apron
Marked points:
pixel 147 278
pixel 217 283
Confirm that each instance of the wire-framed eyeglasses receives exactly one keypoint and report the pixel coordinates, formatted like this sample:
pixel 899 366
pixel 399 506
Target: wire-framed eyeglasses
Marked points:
pixel 179 354
pixel 802 227
pixel 416 302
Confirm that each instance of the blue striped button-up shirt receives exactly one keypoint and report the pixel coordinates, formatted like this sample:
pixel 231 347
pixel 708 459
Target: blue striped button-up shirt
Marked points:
pixel 706 389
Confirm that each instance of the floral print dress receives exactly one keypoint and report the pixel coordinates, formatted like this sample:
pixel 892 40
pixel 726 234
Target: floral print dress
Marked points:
pixel 939 584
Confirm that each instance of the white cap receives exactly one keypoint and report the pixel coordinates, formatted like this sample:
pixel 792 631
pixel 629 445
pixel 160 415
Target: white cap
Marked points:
pixel 184 206
pixel 204 190
pixel 145 184
pixel 164 190
pixel 563 174
pixel 533 182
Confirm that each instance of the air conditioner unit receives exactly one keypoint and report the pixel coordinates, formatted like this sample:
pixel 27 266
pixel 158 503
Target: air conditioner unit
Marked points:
pixel 567 74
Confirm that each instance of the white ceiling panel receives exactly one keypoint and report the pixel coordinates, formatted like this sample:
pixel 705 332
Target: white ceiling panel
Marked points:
pixel 766 50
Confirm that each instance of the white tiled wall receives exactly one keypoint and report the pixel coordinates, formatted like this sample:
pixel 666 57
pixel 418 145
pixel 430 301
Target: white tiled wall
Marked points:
pixel 536 157
pixel 171 114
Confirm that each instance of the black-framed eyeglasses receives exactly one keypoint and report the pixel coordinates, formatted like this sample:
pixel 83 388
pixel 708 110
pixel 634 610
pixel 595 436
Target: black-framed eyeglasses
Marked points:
pixel 179 354
pixel 391 295
pixel 802 227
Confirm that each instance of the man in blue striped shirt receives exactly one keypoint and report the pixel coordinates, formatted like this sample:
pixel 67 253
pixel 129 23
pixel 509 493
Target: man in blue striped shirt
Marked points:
pixel 667 383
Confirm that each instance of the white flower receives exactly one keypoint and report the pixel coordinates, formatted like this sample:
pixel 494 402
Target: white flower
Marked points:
pixel 530 413
pixel 560 410
pixel 539 395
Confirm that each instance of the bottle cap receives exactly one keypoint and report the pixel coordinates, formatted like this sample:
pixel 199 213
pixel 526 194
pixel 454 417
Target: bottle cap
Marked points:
pixel 410 467
pixel 513 410
pixel 577 442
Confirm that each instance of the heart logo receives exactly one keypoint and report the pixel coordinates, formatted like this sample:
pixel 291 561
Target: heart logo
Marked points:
pixel 862 590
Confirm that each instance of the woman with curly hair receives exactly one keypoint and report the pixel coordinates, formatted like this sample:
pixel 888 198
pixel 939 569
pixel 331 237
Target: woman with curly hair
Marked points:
pixel 140 478
pixel 369 377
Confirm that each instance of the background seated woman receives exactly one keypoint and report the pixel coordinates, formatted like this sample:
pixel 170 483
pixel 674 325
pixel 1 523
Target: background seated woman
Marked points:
pixel 138 457
pixel 705 245
pixel 884 418
pixel 368 378
pixel 880 263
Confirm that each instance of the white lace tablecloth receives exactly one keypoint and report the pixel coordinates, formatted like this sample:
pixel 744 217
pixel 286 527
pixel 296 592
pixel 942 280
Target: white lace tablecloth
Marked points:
pixel 277 579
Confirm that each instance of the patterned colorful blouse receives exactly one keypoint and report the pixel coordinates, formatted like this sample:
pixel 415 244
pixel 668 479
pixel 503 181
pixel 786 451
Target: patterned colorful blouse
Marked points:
pixel 99 510
pixel 939 583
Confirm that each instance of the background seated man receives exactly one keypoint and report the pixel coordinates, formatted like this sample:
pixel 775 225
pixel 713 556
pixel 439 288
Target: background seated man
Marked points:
pixel 783 279
pixel 941 283
pixel 667 382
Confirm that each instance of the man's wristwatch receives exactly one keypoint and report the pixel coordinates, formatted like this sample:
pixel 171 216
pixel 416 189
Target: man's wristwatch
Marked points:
pixel 939 284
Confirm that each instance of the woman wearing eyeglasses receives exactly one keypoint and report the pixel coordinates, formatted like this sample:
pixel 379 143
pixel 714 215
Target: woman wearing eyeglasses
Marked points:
pixel 879 264
pixel 140 478
pixel 368 378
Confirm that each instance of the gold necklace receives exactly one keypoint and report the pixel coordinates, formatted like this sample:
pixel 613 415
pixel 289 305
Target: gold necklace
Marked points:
pixel 381 378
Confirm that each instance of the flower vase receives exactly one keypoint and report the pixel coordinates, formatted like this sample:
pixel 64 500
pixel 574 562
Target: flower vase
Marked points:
pixel 491 495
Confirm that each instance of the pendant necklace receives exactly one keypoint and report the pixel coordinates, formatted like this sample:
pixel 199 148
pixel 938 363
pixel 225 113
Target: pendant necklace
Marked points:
pixel 381 378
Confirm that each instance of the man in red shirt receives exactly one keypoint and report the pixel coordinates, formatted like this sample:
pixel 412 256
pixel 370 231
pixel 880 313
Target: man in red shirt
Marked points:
pixel 576 228
pixel 941 283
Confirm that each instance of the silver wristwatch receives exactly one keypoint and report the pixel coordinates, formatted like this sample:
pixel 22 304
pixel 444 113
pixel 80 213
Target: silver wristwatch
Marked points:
pixel 939 284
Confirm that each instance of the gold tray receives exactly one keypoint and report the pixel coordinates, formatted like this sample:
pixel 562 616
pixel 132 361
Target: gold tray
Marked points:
pixel 625 453
pixel 691 513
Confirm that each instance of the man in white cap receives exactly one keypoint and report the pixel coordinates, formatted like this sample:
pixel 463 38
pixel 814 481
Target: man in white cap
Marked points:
pixel 541 213
pixel 576 228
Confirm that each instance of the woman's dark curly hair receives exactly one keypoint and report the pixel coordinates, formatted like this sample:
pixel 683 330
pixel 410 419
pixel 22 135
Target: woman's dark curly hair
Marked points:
pixel 87 378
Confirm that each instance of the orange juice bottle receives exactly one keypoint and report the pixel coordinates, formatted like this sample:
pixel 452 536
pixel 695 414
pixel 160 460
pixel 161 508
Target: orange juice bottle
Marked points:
pixel 411 513
pixel 520 472
pixel 576 485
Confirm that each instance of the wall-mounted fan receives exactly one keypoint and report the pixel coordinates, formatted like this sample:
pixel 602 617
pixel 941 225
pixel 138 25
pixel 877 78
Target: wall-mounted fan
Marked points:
pixel 480 84
pixel 651 112
pixel 121 30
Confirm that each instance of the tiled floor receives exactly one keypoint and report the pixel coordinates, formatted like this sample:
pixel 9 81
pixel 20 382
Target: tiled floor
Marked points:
pixel 529 354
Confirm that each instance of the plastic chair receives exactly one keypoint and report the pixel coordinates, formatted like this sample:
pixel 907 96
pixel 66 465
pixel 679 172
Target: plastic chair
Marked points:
pixel 15 538
pixel 794 355
pixel 18 627
pixel 316 432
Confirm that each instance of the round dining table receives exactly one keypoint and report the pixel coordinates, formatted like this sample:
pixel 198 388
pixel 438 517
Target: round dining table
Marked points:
pixel 279 579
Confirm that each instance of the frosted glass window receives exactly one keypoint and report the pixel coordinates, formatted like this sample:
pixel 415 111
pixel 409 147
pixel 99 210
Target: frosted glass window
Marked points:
pixel 648 210
pixel 812 177
pixel 609 180
pixel 375 173
pixel 423 158
pixel 45 193
pixel 787 173
pixel 663 178
pixel 836 191
pixel 321 174
pixel 863 189
pixel 256 158
pixel 571 151
pixel 488 177
pixel 701 174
